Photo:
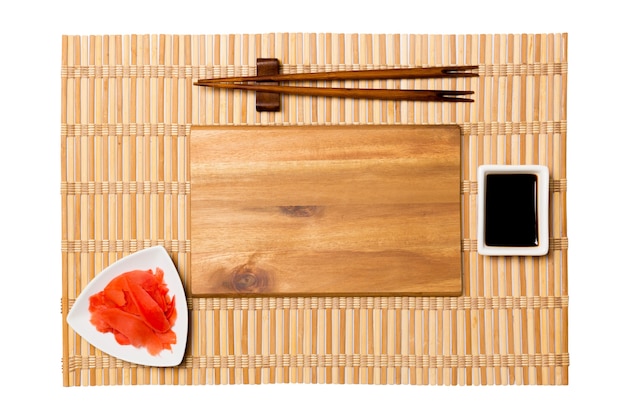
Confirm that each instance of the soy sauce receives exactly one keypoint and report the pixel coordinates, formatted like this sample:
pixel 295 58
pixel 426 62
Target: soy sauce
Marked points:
pixel 511 210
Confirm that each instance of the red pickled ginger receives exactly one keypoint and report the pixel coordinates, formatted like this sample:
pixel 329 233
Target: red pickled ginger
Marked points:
pixel 136 308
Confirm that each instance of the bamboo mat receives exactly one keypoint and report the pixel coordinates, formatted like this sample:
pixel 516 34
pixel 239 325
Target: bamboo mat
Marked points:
pixel 128 103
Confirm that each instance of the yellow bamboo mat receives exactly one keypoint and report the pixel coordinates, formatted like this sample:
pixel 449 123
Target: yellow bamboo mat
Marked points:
pixel 128 103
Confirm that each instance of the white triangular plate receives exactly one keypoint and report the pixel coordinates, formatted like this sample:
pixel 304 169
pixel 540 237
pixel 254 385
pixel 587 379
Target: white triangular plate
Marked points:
pixel 79 316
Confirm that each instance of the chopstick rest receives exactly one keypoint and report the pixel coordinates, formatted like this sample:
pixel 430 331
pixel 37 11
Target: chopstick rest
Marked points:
pixel 267 101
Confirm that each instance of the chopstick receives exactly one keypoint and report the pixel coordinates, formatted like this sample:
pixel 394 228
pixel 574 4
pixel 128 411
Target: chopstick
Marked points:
pixel 390 74
pixel 243 83
pixel 367 93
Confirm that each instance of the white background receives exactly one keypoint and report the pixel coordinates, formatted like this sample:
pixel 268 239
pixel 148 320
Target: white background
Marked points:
pixel 30 345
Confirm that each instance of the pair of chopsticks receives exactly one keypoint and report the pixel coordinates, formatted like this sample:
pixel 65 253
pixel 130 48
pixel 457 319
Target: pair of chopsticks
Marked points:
pixel 247 83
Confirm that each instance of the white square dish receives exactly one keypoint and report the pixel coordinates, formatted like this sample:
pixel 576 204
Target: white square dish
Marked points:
pixel 513 210
pixel 150 259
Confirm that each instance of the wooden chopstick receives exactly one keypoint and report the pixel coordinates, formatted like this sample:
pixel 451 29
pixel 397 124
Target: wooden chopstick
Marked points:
pixel 390 74
pixel 367 93
pixel 241 83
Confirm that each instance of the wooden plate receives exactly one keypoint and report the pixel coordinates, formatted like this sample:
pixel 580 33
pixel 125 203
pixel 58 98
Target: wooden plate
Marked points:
pixel 325 210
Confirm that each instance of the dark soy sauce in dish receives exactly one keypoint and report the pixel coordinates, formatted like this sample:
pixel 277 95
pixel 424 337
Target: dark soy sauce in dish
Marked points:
pixel 511 210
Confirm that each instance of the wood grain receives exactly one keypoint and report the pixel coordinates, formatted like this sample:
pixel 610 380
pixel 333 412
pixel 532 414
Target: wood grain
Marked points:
pixel 325 210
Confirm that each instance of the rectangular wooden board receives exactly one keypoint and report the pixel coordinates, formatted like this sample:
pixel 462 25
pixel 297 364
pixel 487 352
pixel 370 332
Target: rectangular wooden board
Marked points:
pixel 325 210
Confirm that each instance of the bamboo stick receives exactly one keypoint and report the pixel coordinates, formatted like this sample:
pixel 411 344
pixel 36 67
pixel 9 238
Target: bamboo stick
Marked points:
pixel 307 341
pixel 347 344
pixel 396 377
pixel 385 340
pixel 300 336
pixel 563 272
pixel 104 156
pixel 315 332
pixel 295 340
pixel 67 282
pixel 96 200
pixel 83 348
